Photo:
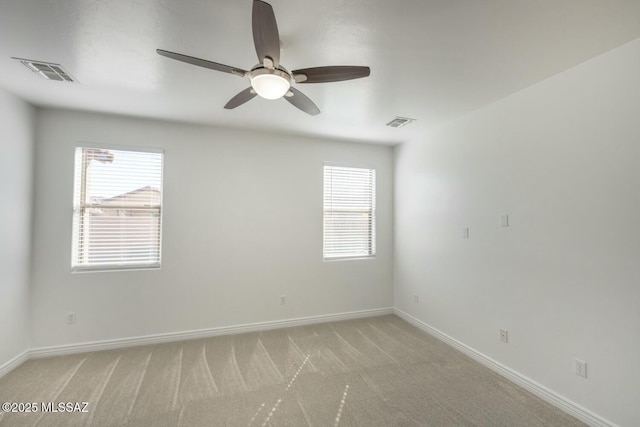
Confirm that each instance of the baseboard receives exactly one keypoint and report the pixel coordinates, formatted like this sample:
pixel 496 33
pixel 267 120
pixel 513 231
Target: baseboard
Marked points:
pixel 539 390
pixel 200 333
pixel 6 367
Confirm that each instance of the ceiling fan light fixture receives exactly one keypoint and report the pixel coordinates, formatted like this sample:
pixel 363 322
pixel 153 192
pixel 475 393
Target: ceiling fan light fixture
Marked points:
pixel 270 83
pixel 269 79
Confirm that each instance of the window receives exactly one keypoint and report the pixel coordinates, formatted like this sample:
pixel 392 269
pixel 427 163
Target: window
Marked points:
pixel 349 212
pixel 117 209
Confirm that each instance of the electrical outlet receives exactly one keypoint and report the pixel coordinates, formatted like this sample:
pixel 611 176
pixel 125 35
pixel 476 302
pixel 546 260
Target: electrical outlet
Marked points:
pixel 581 368
pixel 504 220
pixel 465 233
pixel 71 318
pixel 416 299
pixel 504 335
pixel 283 300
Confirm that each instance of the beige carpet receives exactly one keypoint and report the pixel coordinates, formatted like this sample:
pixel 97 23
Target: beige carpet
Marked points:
pixel 378 371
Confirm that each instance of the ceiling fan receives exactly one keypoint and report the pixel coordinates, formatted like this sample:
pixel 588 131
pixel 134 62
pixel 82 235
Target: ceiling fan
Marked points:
pixel 269 79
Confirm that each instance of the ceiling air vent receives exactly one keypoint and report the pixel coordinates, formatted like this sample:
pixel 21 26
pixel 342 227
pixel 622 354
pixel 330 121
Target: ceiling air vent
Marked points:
pixel 398 122
pixel 47 70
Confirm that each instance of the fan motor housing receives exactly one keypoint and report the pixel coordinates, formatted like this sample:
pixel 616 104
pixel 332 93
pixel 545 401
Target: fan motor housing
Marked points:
pixel 259 70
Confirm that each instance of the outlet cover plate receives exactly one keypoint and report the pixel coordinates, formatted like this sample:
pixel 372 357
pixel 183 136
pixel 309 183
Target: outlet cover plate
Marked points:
pixel 581 368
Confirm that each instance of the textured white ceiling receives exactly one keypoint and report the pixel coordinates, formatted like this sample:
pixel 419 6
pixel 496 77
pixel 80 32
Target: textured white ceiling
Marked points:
pixel 432 60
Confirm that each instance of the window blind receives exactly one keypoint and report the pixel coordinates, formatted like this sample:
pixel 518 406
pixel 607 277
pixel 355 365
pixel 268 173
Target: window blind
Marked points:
pixel 117 210
pixel 349 212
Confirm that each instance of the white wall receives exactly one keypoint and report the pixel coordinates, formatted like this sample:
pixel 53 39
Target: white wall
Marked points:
pixel 242 225
pixel 16 170
pixel 562 158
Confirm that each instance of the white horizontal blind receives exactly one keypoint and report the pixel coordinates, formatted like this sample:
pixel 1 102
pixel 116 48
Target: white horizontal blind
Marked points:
pixel 117 209
pixel 349 212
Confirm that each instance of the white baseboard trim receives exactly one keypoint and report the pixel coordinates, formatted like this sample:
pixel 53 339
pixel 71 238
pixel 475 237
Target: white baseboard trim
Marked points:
pixel 84 347
pixel 10 365
pixel 539 390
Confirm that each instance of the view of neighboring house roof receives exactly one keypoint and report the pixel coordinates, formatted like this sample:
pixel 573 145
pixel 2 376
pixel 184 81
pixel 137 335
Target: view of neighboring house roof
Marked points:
pixel 146 195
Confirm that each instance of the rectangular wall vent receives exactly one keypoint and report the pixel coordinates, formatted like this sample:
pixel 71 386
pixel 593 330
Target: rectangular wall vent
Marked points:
pixel 47 70
pixel 398 122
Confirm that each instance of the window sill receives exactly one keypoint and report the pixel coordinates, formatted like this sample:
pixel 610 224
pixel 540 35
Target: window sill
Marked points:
pixel 115 268
pixel 349 258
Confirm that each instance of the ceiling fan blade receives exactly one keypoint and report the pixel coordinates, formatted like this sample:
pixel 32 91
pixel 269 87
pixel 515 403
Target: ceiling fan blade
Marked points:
pixel 246 95
pixel 301 101
pixel 202 63
pixel 265 32
pixel 330 74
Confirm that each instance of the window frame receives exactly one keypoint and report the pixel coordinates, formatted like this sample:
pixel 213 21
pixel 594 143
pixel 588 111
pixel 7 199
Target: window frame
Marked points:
pixel 373 248
pixel 75 238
